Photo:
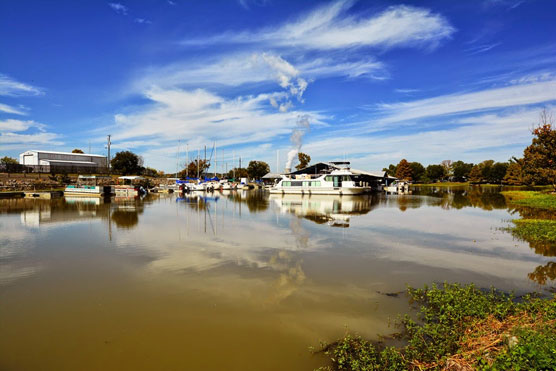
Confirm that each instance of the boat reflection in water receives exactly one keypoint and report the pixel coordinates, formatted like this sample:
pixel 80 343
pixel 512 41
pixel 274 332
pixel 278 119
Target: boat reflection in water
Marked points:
pixel 335 211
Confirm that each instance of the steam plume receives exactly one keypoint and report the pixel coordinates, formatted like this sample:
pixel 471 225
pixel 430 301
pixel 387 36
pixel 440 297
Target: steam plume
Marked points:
pixel 302 127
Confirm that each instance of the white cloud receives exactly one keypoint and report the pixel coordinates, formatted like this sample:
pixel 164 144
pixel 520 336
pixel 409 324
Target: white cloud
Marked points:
pixel 119 8
pixel 329 27
pixel 199 117
pixel 11 125
pixel 9 109
pixel 13 88
pixel 509 96
pixel 19 135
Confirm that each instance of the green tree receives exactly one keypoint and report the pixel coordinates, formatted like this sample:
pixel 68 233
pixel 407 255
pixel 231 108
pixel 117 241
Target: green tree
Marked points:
pixel 435 173
pixel 514 173
pixel 390 170
pixel 77 150
pixel 8 161
pixel 304 160
pixel 149 171
pixel 10 164
pixel 539 158
pixel 486 169
pixel 258 169
pixel 403 171
pixel 476 174
pixel 126 163
pixel 239 173
pixel 417 171
pixel 461 170
pixel 497 172
pixel 191 169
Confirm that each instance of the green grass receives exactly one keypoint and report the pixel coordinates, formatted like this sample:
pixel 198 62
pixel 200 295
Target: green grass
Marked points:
pixel 539 230
pixel 459 327
pixel 532 199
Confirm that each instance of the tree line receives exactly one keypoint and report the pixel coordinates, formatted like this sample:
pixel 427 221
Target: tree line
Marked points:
pixel 536 167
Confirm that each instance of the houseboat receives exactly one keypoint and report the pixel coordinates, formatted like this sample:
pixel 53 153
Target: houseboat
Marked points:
pixel 128 186
pixel 336 179
pixel 89 185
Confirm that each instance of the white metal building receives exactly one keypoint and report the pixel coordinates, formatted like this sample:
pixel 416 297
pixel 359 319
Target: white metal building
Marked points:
pixel 61 159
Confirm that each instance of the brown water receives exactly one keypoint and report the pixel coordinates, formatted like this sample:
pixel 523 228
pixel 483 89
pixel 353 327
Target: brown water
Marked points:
pixel 242 281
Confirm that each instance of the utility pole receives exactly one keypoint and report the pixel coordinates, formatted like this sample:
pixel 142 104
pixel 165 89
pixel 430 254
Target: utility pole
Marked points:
pixel 108 146
pixel 198 156
pixel 178 158
pixel 187 160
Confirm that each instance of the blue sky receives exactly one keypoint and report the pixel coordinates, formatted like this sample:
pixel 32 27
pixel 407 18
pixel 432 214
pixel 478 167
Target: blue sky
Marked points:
pixel 369 81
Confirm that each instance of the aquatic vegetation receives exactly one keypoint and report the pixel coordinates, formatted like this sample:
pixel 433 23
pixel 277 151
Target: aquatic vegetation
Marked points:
pixel 540 230
pixel 531 199
pixel 459 327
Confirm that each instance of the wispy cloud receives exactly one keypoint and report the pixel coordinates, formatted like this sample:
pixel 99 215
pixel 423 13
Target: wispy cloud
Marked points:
pixel 19 135
pixel 142 21
pixel 509 96
pixel 9 109
pixel 470 138
pixel 246 4
pixel 478 49
pixel 13 88
pixel 329 27
pixel 119 8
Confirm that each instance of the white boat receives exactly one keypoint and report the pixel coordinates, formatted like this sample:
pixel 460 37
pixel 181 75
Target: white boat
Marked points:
pixel 397 187
pixel 130 186
pixel 335 182
pixel 88 185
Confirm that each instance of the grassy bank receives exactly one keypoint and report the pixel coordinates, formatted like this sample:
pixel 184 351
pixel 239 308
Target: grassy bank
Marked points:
pixel 531 199
pixel 460 328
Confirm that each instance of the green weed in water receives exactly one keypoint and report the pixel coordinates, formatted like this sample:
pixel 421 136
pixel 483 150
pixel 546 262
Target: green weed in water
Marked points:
pixel 461 328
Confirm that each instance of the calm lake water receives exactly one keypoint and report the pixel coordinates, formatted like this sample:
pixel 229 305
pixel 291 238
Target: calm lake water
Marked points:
pixel 237 281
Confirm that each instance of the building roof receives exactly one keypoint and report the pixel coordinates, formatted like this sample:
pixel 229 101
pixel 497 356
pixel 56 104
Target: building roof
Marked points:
pixel 72 162
pixel 66 153
pixel 272 176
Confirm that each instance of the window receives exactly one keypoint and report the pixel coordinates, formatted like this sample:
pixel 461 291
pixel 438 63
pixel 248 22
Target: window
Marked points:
pixel 316 184
pixel 297 184
pixel 306 184
pixel 286 184
pixel 329 178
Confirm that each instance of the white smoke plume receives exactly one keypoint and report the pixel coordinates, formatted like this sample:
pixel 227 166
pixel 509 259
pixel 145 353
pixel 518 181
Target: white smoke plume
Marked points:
pixel 287 77
pixel 301 128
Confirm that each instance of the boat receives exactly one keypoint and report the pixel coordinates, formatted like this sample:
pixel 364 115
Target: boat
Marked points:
pixel 130 186
pixel 337 181
pixel 89 186
pixel 397 187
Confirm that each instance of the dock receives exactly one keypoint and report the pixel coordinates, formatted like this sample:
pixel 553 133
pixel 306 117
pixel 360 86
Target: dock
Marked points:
pixel 46 195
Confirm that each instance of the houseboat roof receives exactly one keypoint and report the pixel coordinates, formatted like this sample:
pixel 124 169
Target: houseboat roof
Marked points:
pixel 272 176
pixel 322 167
pixel 131 177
